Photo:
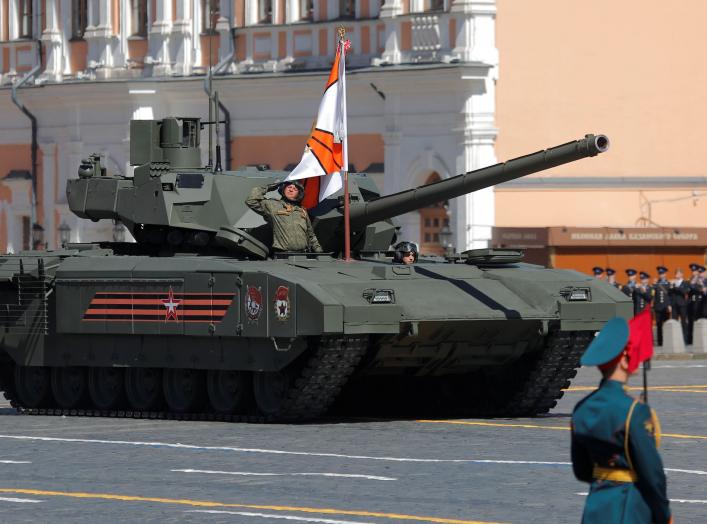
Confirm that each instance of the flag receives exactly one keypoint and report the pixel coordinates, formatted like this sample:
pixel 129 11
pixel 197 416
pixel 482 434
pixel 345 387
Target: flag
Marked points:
pixel 640 339
pixel 325 155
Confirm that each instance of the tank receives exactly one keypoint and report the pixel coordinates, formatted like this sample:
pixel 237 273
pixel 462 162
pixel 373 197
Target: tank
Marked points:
pixel 196 319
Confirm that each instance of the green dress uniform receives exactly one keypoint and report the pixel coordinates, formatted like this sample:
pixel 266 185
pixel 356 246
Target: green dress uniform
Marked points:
pixel 291 227
pixel 614 446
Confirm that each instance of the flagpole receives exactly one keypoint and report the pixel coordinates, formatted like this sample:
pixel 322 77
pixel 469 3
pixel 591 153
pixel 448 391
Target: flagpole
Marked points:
pixel 344 145
pixel 347 224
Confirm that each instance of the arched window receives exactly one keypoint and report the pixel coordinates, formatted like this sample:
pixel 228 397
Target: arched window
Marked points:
pixel 138 17
pixel 79 18
pixel 265 11
pixel 24 14
pixel 432 220
pixel 306 9
pixel 210 10
pixel 347 8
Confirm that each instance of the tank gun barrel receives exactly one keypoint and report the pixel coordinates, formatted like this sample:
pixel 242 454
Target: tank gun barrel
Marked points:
pixel 399 203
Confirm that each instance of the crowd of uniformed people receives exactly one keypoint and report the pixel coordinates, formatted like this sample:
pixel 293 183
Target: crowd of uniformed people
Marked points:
pixel 681 299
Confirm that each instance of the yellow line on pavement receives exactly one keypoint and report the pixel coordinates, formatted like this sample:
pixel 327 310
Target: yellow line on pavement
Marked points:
pixel 539 426
pixel 494 424
pixel 696 388
pixel 211 504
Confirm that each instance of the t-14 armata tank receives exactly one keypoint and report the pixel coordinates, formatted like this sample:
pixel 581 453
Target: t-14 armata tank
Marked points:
pixel 197 320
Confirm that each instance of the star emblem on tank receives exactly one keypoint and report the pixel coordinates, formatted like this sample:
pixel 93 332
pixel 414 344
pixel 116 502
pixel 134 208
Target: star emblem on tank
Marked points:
pixel 171 304
pixel 282 303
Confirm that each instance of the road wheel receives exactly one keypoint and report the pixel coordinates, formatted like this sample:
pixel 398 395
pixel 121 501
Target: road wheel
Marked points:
pixel 229 391
pixel 271 390
pixel 106 387
pixel 184 389
pixel 69 387
pixel 143 388
pixel 32 386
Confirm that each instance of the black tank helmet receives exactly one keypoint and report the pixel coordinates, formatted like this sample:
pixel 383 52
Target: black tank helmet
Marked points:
pixel 297 184
pixel 404 247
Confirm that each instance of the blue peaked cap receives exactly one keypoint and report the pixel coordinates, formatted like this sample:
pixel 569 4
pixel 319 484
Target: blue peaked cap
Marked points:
pixel 608 344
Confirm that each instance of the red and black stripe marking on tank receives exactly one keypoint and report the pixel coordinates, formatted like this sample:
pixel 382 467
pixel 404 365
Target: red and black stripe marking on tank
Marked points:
pixel 151 306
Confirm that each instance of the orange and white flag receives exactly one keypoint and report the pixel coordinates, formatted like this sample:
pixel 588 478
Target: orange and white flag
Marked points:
pixel 325 155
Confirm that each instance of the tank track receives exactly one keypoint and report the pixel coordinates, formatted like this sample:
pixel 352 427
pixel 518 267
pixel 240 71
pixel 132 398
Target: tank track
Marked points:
pixel 312 391
pixel 550 374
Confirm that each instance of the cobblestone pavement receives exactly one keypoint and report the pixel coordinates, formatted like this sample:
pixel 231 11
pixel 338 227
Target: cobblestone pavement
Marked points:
pixel 503 470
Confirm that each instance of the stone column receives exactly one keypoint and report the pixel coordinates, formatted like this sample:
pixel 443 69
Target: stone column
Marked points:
pixel 332 9
pixel 160 39
pixel 46 199
pixel 389 12
pixel 181 39
pixel 673 341
pixel 475 39
pixel 100 38
pixel 699 336
pixel 475 211
pixel 13 32
pixel 53 44
pixel 223 28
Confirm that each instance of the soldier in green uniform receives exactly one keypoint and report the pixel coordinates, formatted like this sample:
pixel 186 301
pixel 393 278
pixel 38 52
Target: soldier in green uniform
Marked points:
pixel 405 253
pixel 615 439
pixel 291 227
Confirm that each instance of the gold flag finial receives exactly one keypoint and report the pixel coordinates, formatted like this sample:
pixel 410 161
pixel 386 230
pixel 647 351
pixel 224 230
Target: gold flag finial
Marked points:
pixel 342 32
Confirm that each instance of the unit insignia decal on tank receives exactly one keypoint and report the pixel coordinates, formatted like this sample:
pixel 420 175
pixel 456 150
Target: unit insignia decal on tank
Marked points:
pixel 155 306
pixel 171 304
pixel 282 303
pixel 254 303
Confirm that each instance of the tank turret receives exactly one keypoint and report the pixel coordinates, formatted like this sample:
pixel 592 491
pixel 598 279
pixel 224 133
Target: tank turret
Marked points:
pixel 174 202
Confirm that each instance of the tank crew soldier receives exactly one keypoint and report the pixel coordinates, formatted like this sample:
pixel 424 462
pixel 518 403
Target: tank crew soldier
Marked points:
pixel 679 290
pixel 630 286
pixel 661 301
pixel 611 278
pixel 291 227
pixel 615 439
pixel 405 253
pixel 642 294
pixel 598 272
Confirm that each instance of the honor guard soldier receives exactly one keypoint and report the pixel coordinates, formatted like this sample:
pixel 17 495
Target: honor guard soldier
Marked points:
pixel 291 227
pixel 630 286
pixel 679 291
pixel 598 272
pixel 611 278
pixel 703 276
pixel 615 437
pixel 642 294
pixel 661 301
pixel 694 300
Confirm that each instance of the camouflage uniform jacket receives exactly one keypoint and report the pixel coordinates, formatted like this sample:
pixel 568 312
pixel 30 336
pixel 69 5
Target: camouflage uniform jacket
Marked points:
pixel 291 227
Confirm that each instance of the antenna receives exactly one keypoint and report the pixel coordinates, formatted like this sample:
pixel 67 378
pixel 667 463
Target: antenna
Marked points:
pixel 218 135
pixel 211 92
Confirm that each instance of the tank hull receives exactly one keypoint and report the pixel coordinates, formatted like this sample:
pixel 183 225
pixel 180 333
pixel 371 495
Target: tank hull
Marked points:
pixel 270 327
